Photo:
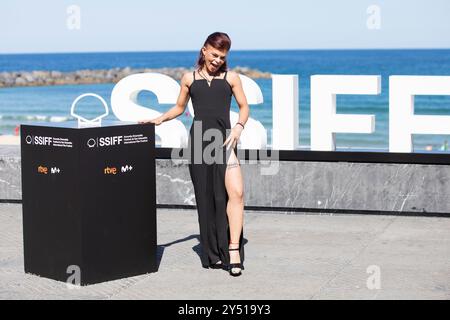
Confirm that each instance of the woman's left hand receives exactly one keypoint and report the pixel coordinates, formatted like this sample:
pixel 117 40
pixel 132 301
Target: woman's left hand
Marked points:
pixel 233 138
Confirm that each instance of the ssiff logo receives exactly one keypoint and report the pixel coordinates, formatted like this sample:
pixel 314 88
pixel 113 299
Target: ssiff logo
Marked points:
pixel 104 141
pixel 38 140
pixel 91 143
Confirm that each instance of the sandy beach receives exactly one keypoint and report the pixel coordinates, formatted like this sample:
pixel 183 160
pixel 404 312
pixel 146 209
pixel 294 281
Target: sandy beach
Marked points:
pixel 9 140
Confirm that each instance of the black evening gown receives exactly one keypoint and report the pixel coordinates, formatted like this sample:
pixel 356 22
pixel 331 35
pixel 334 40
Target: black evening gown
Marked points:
pixel 212 110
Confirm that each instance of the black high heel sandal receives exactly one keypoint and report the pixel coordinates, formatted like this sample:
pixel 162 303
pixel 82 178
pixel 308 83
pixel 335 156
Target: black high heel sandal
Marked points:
pixel 217 265
pixel 235 266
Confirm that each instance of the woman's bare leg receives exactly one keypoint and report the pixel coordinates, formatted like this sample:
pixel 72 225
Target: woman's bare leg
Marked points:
pixel 235 206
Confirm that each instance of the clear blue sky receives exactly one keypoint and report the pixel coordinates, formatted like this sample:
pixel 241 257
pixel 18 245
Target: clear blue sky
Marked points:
pixel 28 26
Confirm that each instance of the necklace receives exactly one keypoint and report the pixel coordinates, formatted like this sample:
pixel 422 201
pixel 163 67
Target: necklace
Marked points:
pixel 206 78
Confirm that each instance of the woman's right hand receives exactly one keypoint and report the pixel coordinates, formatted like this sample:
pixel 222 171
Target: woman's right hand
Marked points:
pixel 156 121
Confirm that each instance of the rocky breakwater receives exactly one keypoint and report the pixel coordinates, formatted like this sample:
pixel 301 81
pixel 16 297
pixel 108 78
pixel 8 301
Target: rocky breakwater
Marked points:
pixel 51 78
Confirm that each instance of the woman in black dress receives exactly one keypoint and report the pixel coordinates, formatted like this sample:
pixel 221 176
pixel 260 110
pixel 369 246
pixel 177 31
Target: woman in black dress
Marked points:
pixel 216 173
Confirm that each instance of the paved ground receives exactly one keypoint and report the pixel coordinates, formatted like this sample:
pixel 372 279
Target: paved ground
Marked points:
pixel 287 257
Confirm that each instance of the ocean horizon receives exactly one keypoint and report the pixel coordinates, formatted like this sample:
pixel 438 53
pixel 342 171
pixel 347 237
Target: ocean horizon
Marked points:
pixel 52 103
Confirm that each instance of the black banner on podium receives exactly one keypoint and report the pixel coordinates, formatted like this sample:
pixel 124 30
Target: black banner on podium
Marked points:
pixel 89 201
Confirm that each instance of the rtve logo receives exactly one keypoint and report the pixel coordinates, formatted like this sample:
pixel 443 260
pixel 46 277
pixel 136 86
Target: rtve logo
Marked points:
pixel 39 140
pixel 108 170
pixel 42 170
pixel 104 141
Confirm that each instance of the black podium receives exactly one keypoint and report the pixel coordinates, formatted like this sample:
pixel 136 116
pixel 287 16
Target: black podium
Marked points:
pixel 89 201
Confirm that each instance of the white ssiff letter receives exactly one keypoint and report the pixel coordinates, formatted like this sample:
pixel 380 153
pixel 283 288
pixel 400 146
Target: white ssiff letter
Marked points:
pixel 402 121
pixel 325 122
pixel 285 112
pixel 254 136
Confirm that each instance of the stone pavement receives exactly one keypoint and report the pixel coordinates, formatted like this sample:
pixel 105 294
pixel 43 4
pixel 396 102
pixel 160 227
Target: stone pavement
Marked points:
pixel 288 256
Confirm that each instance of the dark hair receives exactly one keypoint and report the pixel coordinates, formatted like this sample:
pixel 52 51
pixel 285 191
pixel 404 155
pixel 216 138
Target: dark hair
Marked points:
pixel 219 41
